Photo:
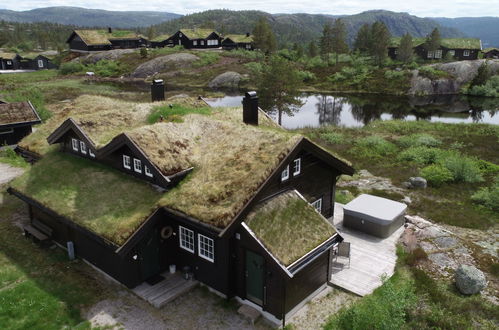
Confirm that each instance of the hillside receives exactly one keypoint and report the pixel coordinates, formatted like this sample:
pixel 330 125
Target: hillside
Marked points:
pixel 485 28
pixel 87 17
pixel 292 28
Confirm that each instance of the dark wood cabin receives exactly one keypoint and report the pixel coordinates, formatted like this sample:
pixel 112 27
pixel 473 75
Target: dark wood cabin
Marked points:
pixel 237 255
pixel 16 120
pixel 238 41
pixel 450 48
pixel 192 38
pixel 37 62
pixel 101 40
pixel 492 53
pixel 10 61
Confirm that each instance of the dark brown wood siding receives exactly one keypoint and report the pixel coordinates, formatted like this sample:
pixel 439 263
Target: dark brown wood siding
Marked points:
pixel 12 135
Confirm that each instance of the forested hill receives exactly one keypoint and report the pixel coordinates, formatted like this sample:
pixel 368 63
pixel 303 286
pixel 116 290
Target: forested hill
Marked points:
pixel 291 28
pixel 485 28
pixel 87 17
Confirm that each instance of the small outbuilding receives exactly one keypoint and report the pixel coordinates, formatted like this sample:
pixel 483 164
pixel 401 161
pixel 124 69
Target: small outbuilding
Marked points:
pixel 491 53
pixel 16 120
pixel 238 41
pixel 10 61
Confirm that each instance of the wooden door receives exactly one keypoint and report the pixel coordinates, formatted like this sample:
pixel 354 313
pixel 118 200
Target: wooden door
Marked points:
pixel 255 265
pixel 149 255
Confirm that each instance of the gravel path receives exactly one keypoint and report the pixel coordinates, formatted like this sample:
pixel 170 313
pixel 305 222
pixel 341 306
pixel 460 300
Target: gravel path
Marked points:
pixel 8 172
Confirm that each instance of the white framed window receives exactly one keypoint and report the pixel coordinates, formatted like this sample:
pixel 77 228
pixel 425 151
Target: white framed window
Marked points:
pixel 126 162
pixel 6 130
pixel 137 165
pixel 430 54
pixel 452 52
pixel 83 147
pixel 248 46
pixel 202 42
pixel 206 248
pixel 147 171
pixel 396 51
pixel 186 239
pixel 74 144
pixel 212 42
pixel 91 153
pixel 438 53
pixel 296 166
pixel 466 52
pixel 40 63
pixel 9 62
pixel 318 205
pixel 195 43
pixel 285 174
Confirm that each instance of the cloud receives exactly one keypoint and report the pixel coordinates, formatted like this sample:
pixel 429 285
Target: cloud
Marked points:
pixel 423 8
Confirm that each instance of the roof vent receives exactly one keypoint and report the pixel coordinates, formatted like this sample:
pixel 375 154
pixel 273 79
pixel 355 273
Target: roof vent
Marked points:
pixel 247 34
pixel 157 90
pixel 110 30
pixel 250 108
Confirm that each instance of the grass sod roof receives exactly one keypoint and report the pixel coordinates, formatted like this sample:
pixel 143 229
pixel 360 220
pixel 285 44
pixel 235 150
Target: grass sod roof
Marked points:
pixel 17 112
pixel 94 196
pixel 197 33
pixel 103 37
pixel 486 50
pixel 289 227
pixel 239 37
pixel 452 43
pixel 7 56
pixel 161 37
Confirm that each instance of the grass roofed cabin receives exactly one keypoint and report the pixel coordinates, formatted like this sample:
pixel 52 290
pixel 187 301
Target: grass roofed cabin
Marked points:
pixel 99 40
pixel 458 48
pixel 135 194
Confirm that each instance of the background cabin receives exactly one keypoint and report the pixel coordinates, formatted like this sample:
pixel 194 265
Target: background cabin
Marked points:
pixel 16 120
pixel 101 40
pixel 450 48
pixel 10 61
pixel 491 53
pixel 36 62
pixel 194 38
pixel 238 41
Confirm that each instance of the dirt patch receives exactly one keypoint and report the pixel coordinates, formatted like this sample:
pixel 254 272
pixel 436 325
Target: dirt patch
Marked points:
pixel 8 173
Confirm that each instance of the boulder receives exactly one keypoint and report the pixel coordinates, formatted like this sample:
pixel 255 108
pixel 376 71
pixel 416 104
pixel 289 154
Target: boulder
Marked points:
pixel 228 80
pixel 418 182
pixel 470 280
pixel 164 63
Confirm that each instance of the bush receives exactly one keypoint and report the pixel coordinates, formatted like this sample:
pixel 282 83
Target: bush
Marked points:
pixel 432 73
pixel 487 167
pixel 247 54
pixel 393 74
pixel 488 196
pixel 9 156
pixel 71 67
pixel 463 169
pixel 106 68
pixel 207 58
pixel 490 89
pixel 436 175
pixel 417 140
pixel 374 146
pixel 423 155
pixel 343 196
pixel 332 137
pixel 306 76
pixel 415 256
pixel 255 68
pixel 353 76
pixel 315 62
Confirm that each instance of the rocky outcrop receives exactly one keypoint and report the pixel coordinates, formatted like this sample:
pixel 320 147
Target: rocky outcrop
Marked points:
pixel 110 55
pixel 470 280
pixel 226 80
pixel 164 63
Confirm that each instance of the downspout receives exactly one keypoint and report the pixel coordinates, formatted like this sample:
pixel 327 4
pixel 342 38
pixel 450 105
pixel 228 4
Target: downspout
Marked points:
pixel 284 304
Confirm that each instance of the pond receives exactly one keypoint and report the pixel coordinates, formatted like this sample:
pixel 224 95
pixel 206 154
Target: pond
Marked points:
pixel 359 110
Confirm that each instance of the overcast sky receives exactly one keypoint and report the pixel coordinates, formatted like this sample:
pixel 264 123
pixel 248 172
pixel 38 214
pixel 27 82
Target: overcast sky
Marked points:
pixel 423 8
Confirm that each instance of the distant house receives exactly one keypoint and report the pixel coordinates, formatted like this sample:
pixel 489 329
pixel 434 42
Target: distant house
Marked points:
pixel 235 41
pixel 192 38
pixel 240 204
pixel 16 120
pixel 10 61
pixel 99 40
pixel 457 48
pixel 491 53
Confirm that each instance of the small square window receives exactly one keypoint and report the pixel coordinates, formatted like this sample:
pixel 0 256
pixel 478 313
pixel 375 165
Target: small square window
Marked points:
pixel 91 153
pixel 83 147
pixel 452 52
pixel 438 53
pixel 285 174
pixel 206 248
pixel 430 54
pixel 296 166
pixel 186 238
pixel 40 63
pixel 147 171
pixel 318 205
pixel 195 42
pixel 137 165
pixel 9 62
pixel 202 42
pixel 466 53
pixel 74 144
pixel 126 162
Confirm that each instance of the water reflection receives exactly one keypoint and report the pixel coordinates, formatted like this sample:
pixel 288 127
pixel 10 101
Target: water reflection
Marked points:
pixel 359 110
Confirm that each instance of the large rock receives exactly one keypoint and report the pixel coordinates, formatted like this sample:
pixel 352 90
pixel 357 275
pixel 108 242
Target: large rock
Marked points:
pixel 418 182
pixel 228 79
pixel 164 63
pixel 111 55
pixel 470 280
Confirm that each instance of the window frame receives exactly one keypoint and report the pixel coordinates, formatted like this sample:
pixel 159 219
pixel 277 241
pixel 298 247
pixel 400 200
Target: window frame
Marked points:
pixel 147 171
pixel 285 177
pixel 194 42
pixel 296 162
pixel 91 153
pixel 40 63
pixel 75 145
pixel 466 52
pixel 202 239
pixel 182 231
pixel 127 162
pixel 9 62
pixel 319 203
pixel 452 52
pixel 438 53
pixel 137 165
pixel 83 148
pixel 430 54
pixel 6 130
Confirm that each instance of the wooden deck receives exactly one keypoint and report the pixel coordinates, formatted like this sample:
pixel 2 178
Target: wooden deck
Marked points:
pixel 370 258
pixel 165 291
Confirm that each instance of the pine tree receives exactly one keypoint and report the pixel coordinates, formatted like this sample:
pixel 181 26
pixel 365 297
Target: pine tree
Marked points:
pixel 362 41
pixel 339 35
pixel 381 40
pixel 151 32
pixel 312 49
pixel 405 51
pixel 263 37
pixel 326 41
pixel 433 41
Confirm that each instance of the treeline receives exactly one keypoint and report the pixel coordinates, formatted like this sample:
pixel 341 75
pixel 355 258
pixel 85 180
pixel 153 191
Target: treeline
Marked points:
pixel 23 37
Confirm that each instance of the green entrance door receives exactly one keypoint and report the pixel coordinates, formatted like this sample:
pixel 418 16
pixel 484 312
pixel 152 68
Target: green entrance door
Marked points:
pixel 149 255
pixel 254 277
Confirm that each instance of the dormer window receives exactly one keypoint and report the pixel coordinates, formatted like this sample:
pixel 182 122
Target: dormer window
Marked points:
pixel 91 153
pixel 285 174
pixel 147 171
pixel 74 144
pixel 137 165
pixel 83 147
pixel 296 166
pixel 126 162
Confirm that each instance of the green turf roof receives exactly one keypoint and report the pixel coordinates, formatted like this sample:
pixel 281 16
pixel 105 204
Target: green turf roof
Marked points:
pixel 197 33
pixel 162 37
pixel 486 50
pixel 289 227
pixel 103 37
pixel 7 56
pixel 240 38
pixel 452 43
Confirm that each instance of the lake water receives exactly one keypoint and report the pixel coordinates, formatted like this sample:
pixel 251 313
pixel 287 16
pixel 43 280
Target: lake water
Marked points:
pixel 359 110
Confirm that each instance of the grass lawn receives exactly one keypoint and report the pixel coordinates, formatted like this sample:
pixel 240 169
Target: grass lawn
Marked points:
pixel 40 288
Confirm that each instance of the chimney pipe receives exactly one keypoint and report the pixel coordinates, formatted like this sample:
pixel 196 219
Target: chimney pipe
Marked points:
pixel 157 90
pixel 250 108
pixel 247 34
pixel 110 30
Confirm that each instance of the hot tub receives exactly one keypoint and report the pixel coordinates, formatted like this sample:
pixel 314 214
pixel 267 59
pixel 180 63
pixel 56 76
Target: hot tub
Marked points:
pixel 374 215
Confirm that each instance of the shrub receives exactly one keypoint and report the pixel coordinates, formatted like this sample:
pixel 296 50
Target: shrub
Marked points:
pixel 207 58
pixel 436 175
pixel 143 52
pixel 71 67
pixel 432 73
pixel 343 196
pixel 247 54
pixel 374 146
pixel 352 76
pixel 254 67
pixel 315 62
pixel 332 137
pixel 106 68
pixel 490 89
pixel 423 155
pixel 306 76
pixel 416 140
pixel 488 196
pixel 393 74
pixel 487 167
pixel 9 156
pixel 463 169
pixel 175 113
pixel 414 256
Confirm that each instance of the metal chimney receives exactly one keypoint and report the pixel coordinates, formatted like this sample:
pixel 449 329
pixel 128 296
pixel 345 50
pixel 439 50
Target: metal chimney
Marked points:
pixel 247 34
pixel 157 90
pixel 250 108
pixel 110 30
